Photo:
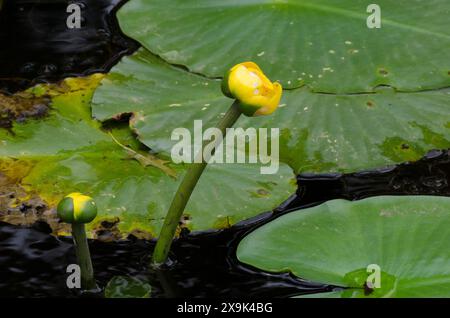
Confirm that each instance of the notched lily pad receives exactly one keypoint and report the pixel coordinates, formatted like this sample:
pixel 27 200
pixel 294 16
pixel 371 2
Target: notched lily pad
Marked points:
pixel 318 132
pixel 403 243
pixel 324 44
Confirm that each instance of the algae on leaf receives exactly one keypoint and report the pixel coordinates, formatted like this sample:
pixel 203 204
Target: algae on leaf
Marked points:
pixel 318 132
pixel 68 151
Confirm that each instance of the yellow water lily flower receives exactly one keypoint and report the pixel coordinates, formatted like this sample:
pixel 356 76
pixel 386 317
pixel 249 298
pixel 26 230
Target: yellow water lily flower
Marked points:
pixel 77 208
pixel 256 93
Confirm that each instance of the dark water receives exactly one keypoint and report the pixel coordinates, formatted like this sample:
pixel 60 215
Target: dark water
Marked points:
pixel 428 176
pixel 37 46
pixel 33 263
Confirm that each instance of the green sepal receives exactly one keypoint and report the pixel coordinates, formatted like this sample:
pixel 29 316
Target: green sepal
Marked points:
pixel 225 87
pixel 247 109
pixel 88 214
pixel 65 210
pixel 66 213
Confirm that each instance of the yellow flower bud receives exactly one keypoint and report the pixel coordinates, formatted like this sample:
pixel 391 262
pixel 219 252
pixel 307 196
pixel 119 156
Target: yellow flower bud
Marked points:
pixel 256 93
pixel 77 208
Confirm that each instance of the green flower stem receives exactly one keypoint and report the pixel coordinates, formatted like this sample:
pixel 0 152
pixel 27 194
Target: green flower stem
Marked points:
pixel 83 257
pixel 185 190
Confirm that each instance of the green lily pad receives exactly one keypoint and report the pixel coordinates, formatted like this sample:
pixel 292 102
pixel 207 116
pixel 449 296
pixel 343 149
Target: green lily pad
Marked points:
pixel 325 44
pixel 127 287
pixel 334 243
pixel 68 151
pixel 318 132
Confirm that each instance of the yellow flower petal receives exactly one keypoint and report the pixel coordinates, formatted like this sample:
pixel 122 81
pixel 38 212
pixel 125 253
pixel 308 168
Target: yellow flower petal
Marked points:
pixel 272 103
pixel 248 84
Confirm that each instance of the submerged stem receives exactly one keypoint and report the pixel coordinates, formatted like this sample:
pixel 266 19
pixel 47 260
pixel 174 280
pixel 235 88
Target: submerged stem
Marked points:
pixel 83 257
pixel 186 188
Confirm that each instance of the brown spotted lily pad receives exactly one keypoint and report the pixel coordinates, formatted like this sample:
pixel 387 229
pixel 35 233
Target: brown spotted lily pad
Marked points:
pixel 69 151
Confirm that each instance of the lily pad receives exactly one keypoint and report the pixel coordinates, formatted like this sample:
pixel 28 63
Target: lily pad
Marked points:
pixel 325 44
pixel 334 243
pixel 127 287
pixel 68 151
pixel 318 132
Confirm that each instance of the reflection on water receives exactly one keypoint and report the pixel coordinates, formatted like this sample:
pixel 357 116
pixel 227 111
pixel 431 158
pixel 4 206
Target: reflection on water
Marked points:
pixel 36 44
pixel 34 265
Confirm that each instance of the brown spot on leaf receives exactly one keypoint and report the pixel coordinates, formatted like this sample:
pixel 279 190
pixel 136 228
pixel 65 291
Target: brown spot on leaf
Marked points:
pixel 383 71
pixel 368 289
pixel 108 224
pixel 21 106
pixel 185 220
pixel 260 193
pixel 19 206
pixel 107 230
pixel 141 234
pixel 370 103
